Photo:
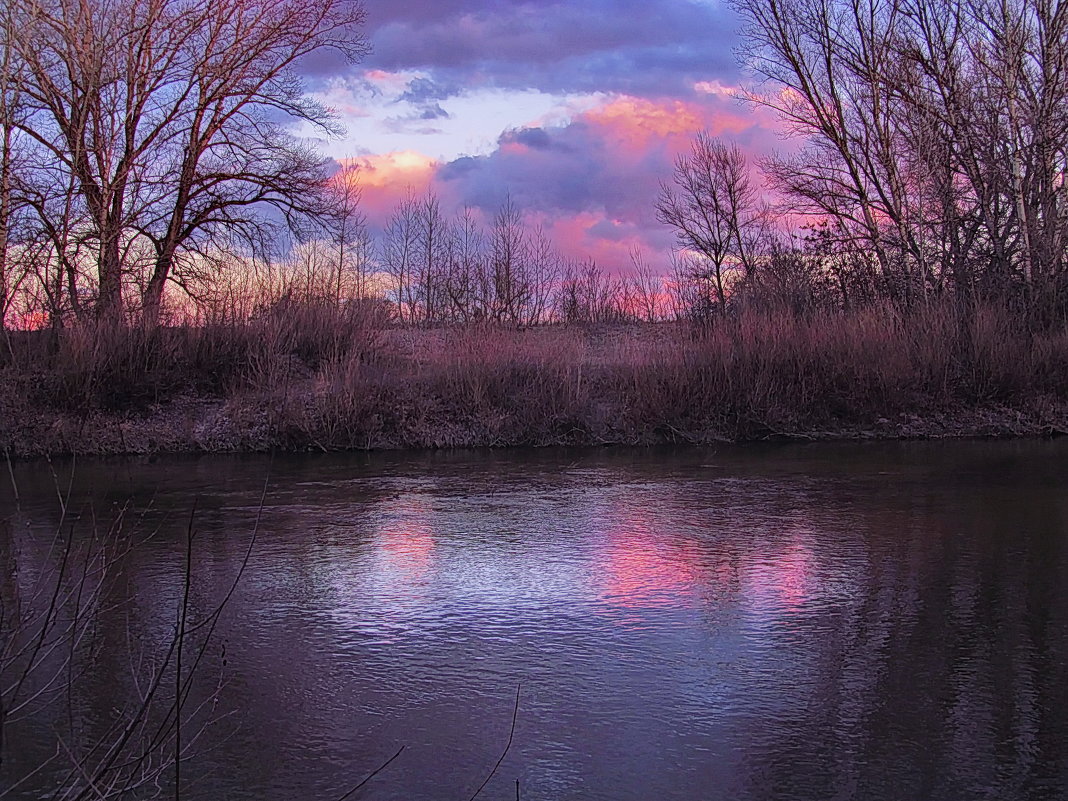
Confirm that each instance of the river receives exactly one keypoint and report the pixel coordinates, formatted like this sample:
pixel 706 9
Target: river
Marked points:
pixel 805 622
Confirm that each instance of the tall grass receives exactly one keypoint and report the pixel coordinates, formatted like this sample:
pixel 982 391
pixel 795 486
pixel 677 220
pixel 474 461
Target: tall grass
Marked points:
pixel 312 375
pixel 117 368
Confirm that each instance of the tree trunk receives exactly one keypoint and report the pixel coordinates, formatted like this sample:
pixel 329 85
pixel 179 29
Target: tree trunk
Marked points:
pixel 152 302
pixel 152 305
pixel 109 301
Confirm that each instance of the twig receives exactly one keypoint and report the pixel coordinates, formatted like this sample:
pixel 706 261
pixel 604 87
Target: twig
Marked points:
pixel 110 762
pixel 372 774
pixel 11 473
pixel 183 611
pixel 515 714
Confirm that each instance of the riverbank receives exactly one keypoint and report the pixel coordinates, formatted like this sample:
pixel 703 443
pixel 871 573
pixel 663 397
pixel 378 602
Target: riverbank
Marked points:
pixel 326 380
pixel 218 427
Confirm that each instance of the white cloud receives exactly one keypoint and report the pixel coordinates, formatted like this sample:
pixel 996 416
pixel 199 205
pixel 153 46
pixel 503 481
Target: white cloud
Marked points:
pixel 380 120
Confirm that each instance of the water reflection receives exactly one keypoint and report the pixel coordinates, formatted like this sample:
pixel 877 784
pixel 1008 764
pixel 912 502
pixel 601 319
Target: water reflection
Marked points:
pixel 886 622
pixel 781 584
pixel 404 539
pixel 642 568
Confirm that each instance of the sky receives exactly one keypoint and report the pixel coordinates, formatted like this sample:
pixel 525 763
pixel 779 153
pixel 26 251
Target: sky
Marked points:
pixel 575 110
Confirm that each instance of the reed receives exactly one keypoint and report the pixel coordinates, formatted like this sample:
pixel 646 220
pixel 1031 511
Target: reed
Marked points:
pixel 319 376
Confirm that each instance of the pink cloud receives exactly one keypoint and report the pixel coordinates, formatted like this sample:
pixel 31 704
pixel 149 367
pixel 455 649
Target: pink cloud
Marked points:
pixel 386 178
pixel 389 82
pixel 591 181
pixel 637 125
pixel 583 236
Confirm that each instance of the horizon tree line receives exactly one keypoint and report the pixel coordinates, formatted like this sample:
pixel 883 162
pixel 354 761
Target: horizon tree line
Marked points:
pixel 147 145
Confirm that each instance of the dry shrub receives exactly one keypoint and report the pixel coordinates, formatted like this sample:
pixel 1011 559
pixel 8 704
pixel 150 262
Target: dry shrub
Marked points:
pixel 451 388
pixel 118 368
pixel 759 373
pixel 311 375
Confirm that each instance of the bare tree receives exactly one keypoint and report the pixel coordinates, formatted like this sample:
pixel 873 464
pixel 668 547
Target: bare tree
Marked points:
pixel 937 134
pixel 999 90
pixel 8 105
pixel 509 256
pixel 587 295
pixel 13 270
pixel 543 275
pixel 400 256
pixel 433 243
pixel 712 207
pixel 647 287
pixel 348 233
pixel 167 117
pixel 467 287
pixel 828 58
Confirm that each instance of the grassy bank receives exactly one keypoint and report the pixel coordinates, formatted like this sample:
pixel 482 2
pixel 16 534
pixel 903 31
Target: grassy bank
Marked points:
pixel 309 377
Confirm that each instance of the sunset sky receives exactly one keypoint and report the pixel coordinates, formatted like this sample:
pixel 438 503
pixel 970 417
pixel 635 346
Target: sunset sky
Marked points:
pixel 575 108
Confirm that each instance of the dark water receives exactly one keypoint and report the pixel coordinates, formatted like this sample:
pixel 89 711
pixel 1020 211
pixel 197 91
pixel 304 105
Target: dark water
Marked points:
pixel 802 622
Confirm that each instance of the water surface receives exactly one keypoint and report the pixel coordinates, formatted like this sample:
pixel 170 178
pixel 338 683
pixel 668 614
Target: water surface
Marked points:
pixel 878 621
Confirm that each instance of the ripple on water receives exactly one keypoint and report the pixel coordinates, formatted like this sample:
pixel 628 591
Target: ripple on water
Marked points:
pixel 848 623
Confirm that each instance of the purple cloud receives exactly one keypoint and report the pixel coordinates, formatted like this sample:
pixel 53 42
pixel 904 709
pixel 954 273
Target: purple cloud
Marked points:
pixel 623 46
pixel 658 69
pixel 604 166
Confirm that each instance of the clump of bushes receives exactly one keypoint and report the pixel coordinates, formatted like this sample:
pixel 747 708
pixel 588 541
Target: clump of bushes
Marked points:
pixel 328 376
